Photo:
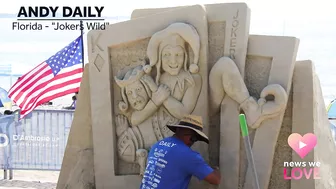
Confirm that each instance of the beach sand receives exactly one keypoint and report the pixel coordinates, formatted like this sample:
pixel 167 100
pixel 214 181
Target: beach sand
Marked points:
pixel 23 179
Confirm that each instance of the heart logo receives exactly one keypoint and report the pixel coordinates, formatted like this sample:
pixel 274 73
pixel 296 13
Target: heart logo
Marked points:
pixel 302 145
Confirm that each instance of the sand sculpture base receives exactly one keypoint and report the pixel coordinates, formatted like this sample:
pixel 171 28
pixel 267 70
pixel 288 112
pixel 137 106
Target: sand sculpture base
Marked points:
pixel 223 68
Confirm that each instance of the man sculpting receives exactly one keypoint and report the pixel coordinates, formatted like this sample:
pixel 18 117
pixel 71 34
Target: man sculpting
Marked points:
pixel 171 162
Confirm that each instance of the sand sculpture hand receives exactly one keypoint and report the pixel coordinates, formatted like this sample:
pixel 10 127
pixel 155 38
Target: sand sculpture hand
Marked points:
pixel 161 94
pixel 257 111
pixel 121 124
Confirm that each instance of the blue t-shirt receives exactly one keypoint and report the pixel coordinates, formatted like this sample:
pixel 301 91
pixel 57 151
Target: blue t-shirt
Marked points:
pixel 171 164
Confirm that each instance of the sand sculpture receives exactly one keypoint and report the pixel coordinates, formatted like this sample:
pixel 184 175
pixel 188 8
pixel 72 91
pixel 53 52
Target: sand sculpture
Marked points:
pixel 168 62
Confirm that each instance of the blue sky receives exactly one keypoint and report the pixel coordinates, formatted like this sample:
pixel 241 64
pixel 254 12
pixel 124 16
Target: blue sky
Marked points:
pixel 314 22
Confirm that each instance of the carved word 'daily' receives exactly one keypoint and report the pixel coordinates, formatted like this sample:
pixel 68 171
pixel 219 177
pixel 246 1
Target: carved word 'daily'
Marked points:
pixel 233 36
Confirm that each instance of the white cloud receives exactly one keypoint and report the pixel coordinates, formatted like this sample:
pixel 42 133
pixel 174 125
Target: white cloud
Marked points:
pixel 22 47
pixel 19 67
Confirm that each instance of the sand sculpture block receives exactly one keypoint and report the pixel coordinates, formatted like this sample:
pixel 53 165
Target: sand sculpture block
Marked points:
pixel 267 65
pixel 77 168
pixel 232 18
pixel 228 25
pixel 121 48
pixel 309 116
pixel 131 89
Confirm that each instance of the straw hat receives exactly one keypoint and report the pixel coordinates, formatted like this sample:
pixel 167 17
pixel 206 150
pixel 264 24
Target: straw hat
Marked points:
pixel 193 122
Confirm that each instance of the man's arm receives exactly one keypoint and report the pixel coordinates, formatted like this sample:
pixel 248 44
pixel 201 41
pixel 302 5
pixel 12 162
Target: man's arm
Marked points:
pixel 196 166
pixel 214 177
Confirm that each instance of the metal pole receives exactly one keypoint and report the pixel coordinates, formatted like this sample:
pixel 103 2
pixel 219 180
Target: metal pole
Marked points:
pixel 82 32
pixel 248 149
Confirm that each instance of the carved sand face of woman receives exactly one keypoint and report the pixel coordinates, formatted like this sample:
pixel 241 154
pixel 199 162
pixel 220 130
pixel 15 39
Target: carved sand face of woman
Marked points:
pixel 137 95
pixel 172 59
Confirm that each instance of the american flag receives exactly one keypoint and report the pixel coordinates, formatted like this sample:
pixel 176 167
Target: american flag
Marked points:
pixel 60 75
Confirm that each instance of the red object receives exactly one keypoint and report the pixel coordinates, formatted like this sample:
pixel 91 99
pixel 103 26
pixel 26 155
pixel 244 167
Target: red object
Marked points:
pixel 58 76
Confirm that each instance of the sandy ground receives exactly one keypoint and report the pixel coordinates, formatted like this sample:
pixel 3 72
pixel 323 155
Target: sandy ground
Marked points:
pixel 30 180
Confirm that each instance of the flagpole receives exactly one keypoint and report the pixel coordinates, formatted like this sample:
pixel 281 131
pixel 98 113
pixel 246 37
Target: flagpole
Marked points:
pixel 82 32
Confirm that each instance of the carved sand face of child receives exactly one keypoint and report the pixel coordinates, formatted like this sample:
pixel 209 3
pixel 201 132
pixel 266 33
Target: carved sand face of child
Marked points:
pixel 137 95
pixel 172 59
